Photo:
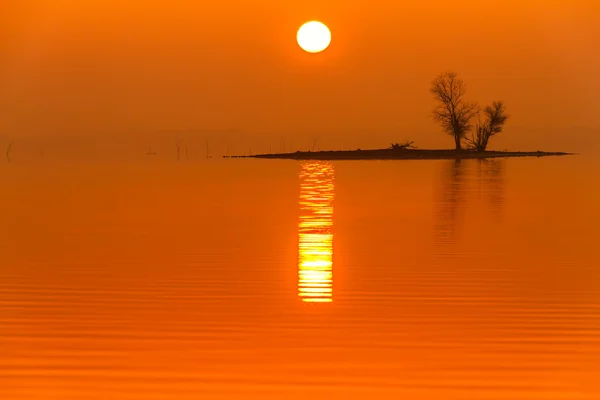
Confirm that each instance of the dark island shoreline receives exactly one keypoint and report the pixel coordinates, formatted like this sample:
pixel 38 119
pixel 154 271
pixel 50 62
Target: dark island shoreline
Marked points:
pixel 403 154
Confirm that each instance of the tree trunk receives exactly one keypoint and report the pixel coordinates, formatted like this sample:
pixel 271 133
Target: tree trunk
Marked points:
pixel 457 141
pixel 484 143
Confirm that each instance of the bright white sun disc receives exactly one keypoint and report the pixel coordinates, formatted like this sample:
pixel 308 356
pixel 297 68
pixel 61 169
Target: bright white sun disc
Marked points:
pixel 314 37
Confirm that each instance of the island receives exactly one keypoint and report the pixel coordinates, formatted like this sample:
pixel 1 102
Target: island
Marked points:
pixel 470 126
pixel 400 154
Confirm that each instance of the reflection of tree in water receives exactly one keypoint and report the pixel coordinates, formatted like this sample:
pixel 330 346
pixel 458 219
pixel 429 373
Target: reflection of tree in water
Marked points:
pixel 490 179
pixel 459 179
pixel 451 204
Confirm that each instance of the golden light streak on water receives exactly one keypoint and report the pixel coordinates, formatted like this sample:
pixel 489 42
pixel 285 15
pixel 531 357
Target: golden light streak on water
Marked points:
pixel 315 234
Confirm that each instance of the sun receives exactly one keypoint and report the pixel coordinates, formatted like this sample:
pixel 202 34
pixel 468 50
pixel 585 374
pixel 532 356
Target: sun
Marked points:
pixel 314 37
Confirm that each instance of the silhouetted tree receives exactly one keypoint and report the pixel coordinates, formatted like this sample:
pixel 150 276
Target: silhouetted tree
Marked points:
pixel 453 113
pixel 178 142
pixel 314 144
pixel 9 151
pixel 495 118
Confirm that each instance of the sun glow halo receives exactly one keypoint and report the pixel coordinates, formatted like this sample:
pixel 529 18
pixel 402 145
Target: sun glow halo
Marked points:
pixel 314 37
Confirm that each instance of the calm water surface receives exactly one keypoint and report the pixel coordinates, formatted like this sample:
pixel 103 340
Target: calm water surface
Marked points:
pixel 248 279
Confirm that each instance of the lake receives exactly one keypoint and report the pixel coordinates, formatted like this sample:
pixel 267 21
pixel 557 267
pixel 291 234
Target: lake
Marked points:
pixel 265 279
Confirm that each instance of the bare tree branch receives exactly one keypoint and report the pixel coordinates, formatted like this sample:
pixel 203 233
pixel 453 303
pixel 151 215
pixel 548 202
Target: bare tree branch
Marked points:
pixel 178 143
pixel 407 144
pixel 494 123
pixel 453 112
pixel 9 151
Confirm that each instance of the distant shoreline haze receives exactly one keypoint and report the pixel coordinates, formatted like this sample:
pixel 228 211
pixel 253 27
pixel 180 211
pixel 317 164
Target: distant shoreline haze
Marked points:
pixel 130 147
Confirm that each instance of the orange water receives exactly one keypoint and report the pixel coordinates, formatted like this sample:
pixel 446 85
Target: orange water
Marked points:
pixel 436 280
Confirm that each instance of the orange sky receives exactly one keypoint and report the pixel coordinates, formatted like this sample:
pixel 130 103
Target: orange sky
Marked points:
pixel 99 68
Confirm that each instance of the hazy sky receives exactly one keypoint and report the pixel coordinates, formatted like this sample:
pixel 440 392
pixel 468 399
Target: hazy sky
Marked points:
pixel 131 68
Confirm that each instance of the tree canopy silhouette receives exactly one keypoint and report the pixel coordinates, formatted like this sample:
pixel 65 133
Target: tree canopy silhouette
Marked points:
pixel 453 112
pixel 495 118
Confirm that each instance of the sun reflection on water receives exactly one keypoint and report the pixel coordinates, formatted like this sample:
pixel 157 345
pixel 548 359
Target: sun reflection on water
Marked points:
pixel 315 246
